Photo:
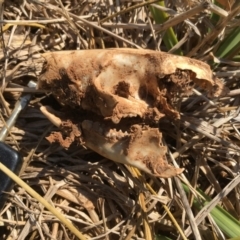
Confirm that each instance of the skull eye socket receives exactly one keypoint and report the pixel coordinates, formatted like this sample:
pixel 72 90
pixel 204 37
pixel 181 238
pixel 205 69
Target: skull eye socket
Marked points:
pixel 122 89
pixel 143 92
pixel 145 95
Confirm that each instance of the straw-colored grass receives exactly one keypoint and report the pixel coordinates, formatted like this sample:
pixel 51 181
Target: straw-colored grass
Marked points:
pixel 99 198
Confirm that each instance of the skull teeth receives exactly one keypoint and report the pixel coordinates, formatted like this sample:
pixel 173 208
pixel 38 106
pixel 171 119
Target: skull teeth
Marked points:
pixel 114 134
pixel 129 115
pixel 97 127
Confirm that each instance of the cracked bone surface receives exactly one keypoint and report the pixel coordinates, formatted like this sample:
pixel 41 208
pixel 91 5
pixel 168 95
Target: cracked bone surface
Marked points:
pixel 129 90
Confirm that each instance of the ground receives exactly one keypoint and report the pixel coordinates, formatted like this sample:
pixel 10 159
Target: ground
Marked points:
pixel 104 199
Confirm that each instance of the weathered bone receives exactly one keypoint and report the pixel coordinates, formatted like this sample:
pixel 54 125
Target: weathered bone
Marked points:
pixel 140 148
pixel 49 113
pixel 125 83
pixel 120 83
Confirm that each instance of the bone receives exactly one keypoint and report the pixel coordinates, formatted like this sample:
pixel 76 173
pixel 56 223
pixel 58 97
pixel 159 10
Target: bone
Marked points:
pixel 49 113
pixel 141 149
pixel 125 86
pixel 121 83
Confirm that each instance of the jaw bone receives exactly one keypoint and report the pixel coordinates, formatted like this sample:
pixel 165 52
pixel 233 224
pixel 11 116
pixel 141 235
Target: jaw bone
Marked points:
pixel 140 147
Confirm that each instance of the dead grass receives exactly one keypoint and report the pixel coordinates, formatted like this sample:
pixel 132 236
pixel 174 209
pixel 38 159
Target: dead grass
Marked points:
pixel 105 200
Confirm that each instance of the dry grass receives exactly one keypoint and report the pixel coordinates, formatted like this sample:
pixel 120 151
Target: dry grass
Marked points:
pixel 105 200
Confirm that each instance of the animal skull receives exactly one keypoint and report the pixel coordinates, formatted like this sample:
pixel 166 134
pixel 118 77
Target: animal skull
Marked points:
pixel 122 94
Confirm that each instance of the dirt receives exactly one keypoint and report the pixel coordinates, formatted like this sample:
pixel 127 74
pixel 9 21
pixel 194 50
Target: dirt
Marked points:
pixel 126 89
pixel 69 133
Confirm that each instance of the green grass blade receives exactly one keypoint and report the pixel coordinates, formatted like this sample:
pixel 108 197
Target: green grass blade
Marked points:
pixel 169 38
pixel 160 237
pixel 230 45
pixel 236 58
pixel 215 17
pixel 225 221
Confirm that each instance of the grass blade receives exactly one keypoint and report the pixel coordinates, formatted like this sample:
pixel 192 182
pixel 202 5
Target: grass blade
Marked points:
pixel 225 221
pixel 230 45
pixel 169 38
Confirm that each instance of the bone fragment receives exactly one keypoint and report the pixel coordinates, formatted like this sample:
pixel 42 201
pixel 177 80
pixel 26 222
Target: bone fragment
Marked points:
pixel 48 112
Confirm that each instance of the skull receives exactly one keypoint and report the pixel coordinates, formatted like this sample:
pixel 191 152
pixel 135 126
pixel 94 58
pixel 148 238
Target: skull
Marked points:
pixel 122 94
